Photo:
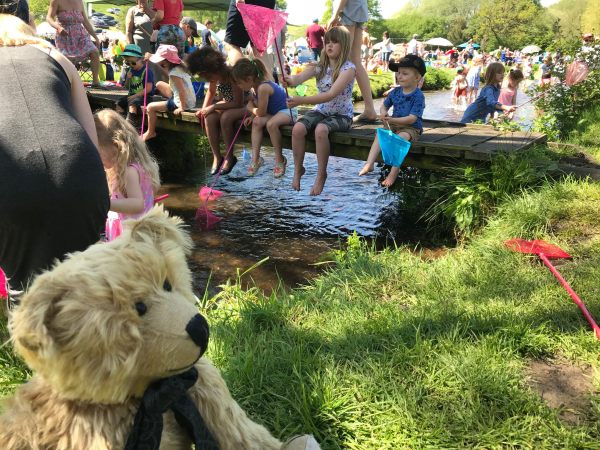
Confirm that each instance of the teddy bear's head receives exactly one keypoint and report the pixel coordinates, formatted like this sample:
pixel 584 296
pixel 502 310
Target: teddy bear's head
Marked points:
pixel 108 321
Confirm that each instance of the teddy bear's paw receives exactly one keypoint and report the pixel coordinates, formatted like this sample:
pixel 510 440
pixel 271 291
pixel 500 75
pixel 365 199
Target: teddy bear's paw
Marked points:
pixel 304 442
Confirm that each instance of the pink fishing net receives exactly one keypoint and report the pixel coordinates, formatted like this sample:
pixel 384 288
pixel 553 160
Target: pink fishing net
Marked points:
pixel 208 194
pixel 3 288
pixel 576 72
pixel 206 219
pixel 262 24
pixel 536 247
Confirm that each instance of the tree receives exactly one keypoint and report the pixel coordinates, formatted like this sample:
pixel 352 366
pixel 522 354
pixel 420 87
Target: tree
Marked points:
pixel 570 14
pixel 590 19
pixel 510 23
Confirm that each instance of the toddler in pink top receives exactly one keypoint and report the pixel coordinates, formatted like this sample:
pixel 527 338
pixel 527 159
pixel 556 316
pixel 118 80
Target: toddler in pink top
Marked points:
pixel 508 94
pixel 132 173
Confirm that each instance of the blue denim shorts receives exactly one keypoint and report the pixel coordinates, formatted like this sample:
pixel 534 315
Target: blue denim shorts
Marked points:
pixel 287 113
pixel 171 105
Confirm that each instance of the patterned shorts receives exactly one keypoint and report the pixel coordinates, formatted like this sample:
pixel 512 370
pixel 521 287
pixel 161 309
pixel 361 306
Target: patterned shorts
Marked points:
pixel 335 122
pixel 172 35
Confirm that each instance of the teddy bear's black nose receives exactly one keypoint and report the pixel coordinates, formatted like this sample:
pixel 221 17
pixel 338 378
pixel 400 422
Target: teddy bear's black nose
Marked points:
pixel 197 328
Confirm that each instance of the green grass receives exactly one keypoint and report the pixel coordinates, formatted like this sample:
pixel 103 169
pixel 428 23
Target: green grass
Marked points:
pixel 389 351
pixel 588 131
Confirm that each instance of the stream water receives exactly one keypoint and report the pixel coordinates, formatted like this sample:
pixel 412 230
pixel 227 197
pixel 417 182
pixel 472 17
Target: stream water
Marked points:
pixel 262 217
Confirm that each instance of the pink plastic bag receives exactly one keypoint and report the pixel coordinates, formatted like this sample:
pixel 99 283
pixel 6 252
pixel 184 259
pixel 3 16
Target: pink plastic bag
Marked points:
pixel 262 24
pixel 113 226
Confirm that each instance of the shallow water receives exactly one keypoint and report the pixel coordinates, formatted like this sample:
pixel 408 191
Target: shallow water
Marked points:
pixel 262 217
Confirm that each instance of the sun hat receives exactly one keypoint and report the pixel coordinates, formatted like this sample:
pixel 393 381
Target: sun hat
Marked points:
pixel 412 61
pixel 168 52
pixel 133 50
pixel 192 24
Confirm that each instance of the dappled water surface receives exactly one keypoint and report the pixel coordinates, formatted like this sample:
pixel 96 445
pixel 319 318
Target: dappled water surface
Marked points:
pixel 263 217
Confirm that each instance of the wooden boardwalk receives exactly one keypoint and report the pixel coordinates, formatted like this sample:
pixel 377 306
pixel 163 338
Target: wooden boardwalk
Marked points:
pixel 441 144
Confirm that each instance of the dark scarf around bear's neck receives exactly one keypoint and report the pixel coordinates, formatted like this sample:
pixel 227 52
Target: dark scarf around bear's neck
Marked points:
pixel 161 396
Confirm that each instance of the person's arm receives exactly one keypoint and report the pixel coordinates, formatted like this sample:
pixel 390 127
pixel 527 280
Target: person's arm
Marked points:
pixel 51 15
pixel 88 26
pixel 134 203
pixel 180 85
pixel 237 102
pixel 209 97
pixel 340 84
pixel 79 101
pixel 130 26
pixel 264 92
pixel 406 120
pixel 335 16
pixel 306 74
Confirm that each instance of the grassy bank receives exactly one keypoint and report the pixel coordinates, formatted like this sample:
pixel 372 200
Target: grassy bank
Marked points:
pixel 392 351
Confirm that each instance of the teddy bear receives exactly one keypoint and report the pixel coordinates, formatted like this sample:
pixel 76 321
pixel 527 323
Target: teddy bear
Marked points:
pixel 113 335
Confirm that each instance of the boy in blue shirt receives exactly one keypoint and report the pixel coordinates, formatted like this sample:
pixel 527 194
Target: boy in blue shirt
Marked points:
pixel 408 102
pixel 133 78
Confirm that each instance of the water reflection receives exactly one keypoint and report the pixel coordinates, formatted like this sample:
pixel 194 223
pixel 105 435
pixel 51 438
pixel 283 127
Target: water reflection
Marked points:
pixel 263 217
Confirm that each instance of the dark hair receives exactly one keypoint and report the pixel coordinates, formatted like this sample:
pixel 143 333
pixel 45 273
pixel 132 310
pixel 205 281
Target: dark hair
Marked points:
pixel 386 34
pixel 207 61
pixel 19 8
pixel 245 68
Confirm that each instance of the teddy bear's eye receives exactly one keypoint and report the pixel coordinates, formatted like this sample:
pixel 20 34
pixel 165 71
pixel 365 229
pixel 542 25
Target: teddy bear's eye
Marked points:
pixel 167 286
pixel 141 308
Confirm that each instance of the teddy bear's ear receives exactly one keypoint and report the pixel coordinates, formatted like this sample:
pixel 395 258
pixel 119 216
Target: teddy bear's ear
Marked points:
pixel 157 226
pixel 30 320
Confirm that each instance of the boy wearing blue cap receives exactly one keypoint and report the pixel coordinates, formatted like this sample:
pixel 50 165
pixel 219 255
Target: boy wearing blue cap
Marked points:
pixel 133 78
pixel 408 102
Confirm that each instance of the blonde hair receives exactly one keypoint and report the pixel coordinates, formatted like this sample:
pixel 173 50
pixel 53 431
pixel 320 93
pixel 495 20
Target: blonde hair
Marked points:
pixel 341 36
pixel 16 33
pixel 490 73
pixel 114 130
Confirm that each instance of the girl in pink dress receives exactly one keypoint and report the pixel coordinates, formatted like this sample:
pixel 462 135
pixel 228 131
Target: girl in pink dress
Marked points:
pixel 75 35
pixel 508 94
pixel 131 171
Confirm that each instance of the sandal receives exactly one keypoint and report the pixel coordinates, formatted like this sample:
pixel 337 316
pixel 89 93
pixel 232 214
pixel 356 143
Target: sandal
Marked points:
pixel 230 165
pixel 253 167
pixel 279 169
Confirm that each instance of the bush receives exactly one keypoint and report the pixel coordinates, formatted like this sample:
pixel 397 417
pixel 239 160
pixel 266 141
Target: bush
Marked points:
pixel 436 79
pixel 562 105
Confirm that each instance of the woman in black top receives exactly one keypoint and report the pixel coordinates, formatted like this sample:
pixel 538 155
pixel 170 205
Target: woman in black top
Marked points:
pixel 54 198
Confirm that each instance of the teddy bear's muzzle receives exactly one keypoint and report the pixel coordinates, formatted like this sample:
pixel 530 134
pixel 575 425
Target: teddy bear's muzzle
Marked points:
pixel 197 328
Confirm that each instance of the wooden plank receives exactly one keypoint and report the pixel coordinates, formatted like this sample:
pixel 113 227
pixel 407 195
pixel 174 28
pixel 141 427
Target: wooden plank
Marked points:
pixel 439 134
pixel 471 137
pixel 506 142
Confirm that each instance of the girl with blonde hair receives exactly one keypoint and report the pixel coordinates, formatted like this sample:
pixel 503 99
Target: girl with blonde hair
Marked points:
pixel 131 171
pixel 335 75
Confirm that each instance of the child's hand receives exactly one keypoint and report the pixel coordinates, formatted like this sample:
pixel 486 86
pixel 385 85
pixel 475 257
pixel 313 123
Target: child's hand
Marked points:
pixel 178 111
pixel 248 121
pixel 287 80
pixel 129 74
pixel 292 102
pixel 147 56
pixel 206 111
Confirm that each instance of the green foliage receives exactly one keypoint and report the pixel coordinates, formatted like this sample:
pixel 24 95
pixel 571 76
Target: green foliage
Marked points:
pixel 436 79
pixel 562 105
pixel 466 195
pixel 39 8
pixel 569 14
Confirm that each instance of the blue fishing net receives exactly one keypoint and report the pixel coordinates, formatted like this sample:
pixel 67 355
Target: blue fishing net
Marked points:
pixel 393 147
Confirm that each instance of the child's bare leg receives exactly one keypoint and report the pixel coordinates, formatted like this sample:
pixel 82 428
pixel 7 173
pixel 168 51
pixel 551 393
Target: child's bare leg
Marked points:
pixel 258 127
pixel 391 178
pixel 273 126
pixel 213 131
pixel 228 119
pixel 95 66
pixel 373 154
pixel 322 144
pixel 152 109
pixel 298 147
pixel 164 89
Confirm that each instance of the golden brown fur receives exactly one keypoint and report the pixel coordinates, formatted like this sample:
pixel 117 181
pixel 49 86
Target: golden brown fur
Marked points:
pixel 94 355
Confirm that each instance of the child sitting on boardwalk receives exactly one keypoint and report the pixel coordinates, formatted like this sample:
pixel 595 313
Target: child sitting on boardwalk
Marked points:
pixel 335 77
pixel 487 102
pixel 268 109
pixel 131 171
pixel 408 102
pixel 223 103
pixel 179 90
pixel 135 79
